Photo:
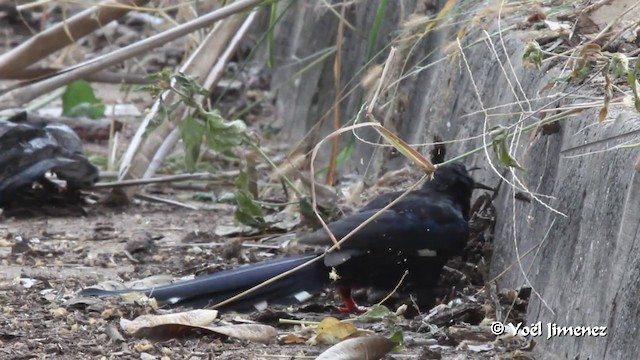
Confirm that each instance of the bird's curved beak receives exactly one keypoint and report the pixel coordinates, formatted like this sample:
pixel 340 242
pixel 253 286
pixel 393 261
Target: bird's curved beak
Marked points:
pixel 477 185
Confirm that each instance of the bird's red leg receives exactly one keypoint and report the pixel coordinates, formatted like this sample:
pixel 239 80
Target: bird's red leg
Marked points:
pixel 350 305
pixel 449 297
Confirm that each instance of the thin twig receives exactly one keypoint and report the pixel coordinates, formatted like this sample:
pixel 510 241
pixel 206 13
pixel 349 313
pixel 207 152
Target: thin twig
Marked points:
pixel 164 201
pixel 406 272
pixel 157 180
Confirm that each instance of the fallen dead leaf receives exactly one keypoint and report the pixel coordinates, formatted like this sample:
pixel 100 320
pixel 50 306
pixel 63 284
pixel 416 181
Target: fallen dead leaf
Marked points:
pixel 253 332
pixel 292 339
pixel 58 312
pixel 113 333
pixel 363 348
pixel 142 346
pixel 192 322
pixel 194 318
pixel 331 331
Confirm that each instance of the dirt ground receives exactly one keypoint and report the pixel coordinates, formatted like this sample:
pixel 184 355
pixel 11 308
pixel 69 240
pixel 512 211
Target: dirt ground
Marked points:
pixel 45 261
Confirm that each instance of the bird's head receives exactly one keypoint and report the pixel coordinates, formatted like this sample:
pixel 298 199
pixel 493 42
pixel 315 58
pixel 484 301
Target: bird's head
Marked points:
pixel 454 179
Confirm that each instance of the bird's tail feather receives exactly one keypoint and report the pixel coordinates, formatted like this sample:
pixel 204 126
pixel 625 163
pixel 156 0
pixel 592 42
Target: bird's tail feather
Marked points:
pixel 214 288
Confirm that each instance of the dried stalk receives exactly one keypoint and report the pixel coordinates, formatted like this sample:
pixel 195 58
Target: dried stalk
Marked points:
pixel 62 34
pixel 18 97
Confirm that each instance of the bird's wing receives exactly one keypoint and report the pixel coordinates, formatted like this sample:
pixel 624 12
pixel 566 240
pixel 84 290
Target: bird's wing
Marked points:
pixel 428 228
pixel 381 201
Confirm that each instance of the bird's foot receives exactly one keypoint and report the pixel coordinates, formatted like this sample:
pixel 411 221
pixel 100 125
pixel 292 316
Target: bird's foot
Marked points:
pixel 353 309
pixel 350 306
pixel 449 297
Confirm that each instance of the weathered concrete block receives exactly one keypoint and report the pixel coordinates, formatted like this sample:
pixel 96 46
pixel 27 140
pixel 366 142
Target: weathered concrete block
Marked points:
pixel 586 266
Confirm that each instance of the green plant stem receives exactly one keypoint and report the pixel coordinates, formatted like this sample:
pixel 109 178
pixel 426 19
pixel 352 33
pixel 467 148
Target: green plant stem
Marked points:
pixel 273 165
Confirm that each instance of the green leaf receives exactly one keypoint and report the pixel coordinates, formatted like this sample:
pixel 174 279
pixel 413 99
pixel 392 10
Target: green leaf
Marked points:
pixel 222 134
pixel 533 54
pixel 398 338
pixel 163 75
pixel 98 160
pixel 247 211
pixel 271 38
pixel 376 313
pixel 242 182
pixel 344 154
pixel 306 210
pixel 633 82
pixel 79 100
pixel 375 28
pixel 204 196
pixel 501 149
pixel 160 82
pixel 189 86
pixel 91 111
pixel 608 94
pixel 227 198
pixel 160 116
pixel 191 131
pixel 619 65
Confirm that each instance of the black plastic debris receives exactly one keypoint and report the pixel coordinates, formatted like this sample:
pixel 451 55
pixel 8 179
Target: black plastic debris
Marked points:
pixel 28 150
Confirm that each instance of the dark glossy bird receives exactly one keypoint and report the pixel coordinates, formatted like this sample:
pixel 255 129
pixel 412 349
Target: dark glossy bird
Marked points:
pixel 406 246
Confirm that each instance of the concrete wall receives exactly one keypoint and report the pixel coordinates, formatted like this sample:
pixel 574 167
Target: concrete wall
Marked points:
pixel 587 270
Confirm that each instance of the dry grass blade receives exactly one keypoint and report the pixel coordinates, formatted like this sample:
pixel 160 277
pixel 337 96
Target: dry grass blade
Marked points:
pixel 406 150
pixel 382 83
pixel 314 153
pixel 337 67
pixel 62 34
pixel 18 97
